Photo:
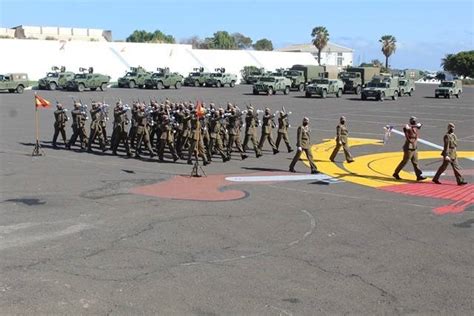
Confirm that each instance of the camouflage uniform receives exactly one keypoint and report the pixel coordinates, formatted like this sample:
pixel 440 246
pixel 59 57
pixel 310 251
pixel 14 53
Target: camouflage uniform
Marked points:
pixel 215 143
pixel 120 131
pixel 267 126
pixel 251 123
pixel 78 127
pixel 196 145
pixel 142 132
pixel 60 119
pixel 96 128
pixel 166 138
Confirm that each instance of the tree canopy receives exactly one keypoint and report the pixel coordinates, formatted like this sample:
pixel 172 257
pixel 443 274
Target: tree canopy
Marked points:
pixel 263 44
pixel 142 36
pixel 320 39
pixel 389 45
pixel 460 64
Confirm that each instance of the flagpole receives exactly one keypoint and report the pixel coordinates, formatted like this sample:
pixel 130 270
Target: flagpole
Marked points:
pixel 37 151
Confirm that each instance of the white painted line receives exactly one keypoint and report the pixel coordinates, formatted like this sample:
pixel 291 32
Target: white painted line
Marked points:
pixel 283 178
pixel 420 140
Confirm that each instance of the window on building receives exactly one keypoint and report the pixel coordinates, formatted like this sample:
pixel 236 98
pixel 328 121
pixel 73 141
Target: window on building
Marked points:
pixel 339 54
pixel 339 61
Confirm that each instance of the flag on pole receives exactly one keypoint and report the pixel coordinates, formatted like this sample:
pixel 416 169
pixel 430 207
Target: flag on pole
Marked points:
pixel 200 112
pixel 39 101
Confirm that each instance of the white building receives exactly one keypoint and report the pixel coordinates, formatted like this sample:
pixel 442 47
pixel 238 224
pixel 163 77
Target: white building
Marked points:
pixel 56 33
pixel 331 55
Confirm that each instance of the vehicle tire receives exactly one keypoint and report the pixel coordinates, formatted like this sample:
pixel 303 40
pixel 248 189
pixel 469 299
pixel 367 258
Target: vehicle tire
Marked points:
pixel 339 93
pixel 131 84
pixel 301 87
pixel 307 94
pixel 410 93
pixel 324 94
pixel 20 89
pixel 382 96
pixel 159 85
pixel 103 86
pixel 363 97
pixel 255 92
pixel 357 90
pixel 450 95
pixel 196 83
pixel 80 87
pixel 458 95
pixel 270 91
pixel 232 84
pixel 218 84
pixel 401 93
pixel 177 85
pixel 286 91
pixel 52 86
pixel 395 96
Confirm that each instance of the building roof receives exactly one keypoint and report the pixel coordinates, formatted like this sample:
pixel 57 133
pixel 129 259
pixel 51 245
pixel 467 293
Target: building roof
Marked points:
pixel 310 48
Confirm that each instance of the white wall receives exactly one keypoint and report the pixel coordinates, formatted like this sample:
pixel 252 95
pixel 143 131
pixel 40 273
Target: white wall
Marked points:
pixel 36 57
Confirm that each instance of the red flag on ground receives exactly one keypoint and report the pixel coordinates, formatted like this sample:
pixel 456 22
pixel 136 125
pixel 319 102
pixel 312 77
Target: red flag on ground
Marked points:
pixel 39 101
pixel 200 110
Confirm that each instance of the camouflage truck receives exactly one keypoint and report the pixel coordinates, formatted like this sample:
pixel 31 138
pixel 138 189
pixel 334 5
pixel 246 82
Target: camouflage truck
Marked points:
pixel 301 75
pixel 381 87
pixel 164 79
pixel 135 77
pixel 197 78
pixel 251 74
pixel 271 85
pixel 87 79
pixel 55 79
pixel 14 82
pixel 407 87
pixel 323 87
pixel 355 78
pixel 220 78
pixel 449 88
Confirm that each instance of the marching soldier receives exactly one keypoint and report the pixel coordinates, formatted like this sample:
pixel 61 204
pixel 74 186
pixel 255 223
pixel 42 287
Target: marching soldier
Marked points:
pixel 103 122
pixel 410 149
pixel 166 138
pixel 120 132
pixel 78 126
pixel 267 126
pixel 142 132
pixel 60 118
pixel 215 143
pixel 233 128
pixel 132 133
pixel 283 131
pixel 184 132
pixel 196 144
pixel 251 123
pixel 341 140
pixel 450 157
pixel 303 144
pixel 96 127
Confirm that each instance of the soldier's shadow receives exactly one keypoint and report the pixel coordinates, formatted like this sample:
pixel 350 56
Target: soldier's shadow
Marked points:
pixel 264 169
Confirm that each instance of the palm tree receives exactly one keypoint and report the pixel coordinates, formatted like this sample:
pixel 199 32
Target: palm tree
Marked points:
pixel 389 45
pixel 320 39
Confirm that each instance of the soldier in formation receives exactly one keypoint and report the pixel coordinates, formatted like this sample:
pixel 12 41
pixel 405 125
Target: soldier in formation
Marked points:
pixel 341 141
pixel 60 119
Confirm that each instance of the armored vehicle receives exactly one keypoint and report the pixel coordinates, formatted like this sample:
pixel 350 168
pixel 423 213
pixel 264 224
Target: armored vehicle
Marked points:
pixel 323 87
pixel 271 84
pixel 380 88
pixel 196 78
pixel 407 87
pixel 300 75
pixel 135 77
pixel 220 78
pixel 164 79
pixel 55 79
pixel 14 82
pixel 251 74
pixel 87 79
pixel 449 88
pixel 355 78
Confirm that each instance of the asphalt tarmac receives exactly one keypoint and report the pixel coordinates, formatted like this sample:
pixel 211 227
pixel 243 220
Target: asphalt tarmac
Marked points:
pixel 98 234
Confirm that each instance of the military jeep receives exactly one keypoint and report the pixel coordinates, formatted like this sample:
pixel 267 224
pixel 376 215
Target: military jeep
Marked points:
pixel 323 87
pixel 271 85
pixel 407 87
pixel 164 79
pixel 197 78
pixel 87 79
pixel 55 79
pixel 134 78
pixel 449 88
pixel 220 79
pixel 14 82
pixel 381 87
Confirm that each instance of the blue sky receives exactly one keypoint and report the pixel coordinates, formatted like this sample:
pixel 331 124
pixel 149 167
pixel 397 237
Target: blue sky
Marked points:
pixel 425 30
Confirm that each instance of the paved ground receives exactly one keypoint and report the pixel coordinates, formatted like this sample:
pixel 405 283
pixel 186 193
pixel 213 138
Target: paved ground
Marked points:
pixel 78 235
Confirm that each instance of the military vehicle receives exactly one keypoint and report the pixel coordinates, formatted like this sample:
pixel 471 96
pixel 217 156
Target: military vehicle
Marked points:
pixel 197 78
pixel 355 78
pixel 251 74
pixel 381 87
pixel 271 85
pixel 14 82
pixel 407 87
pixel 449 88
pixel 87 79
pixel 220 78
pixel 164 79
pixel 55 79
pixel 300 75
pixel 323 87
pixel 135 77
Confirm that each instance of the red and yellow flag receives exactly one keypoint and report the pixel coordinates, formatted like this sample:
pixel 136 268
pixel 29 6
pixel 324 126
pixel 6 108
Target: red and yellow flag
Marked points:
pixel 39 101
pixel 200 111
